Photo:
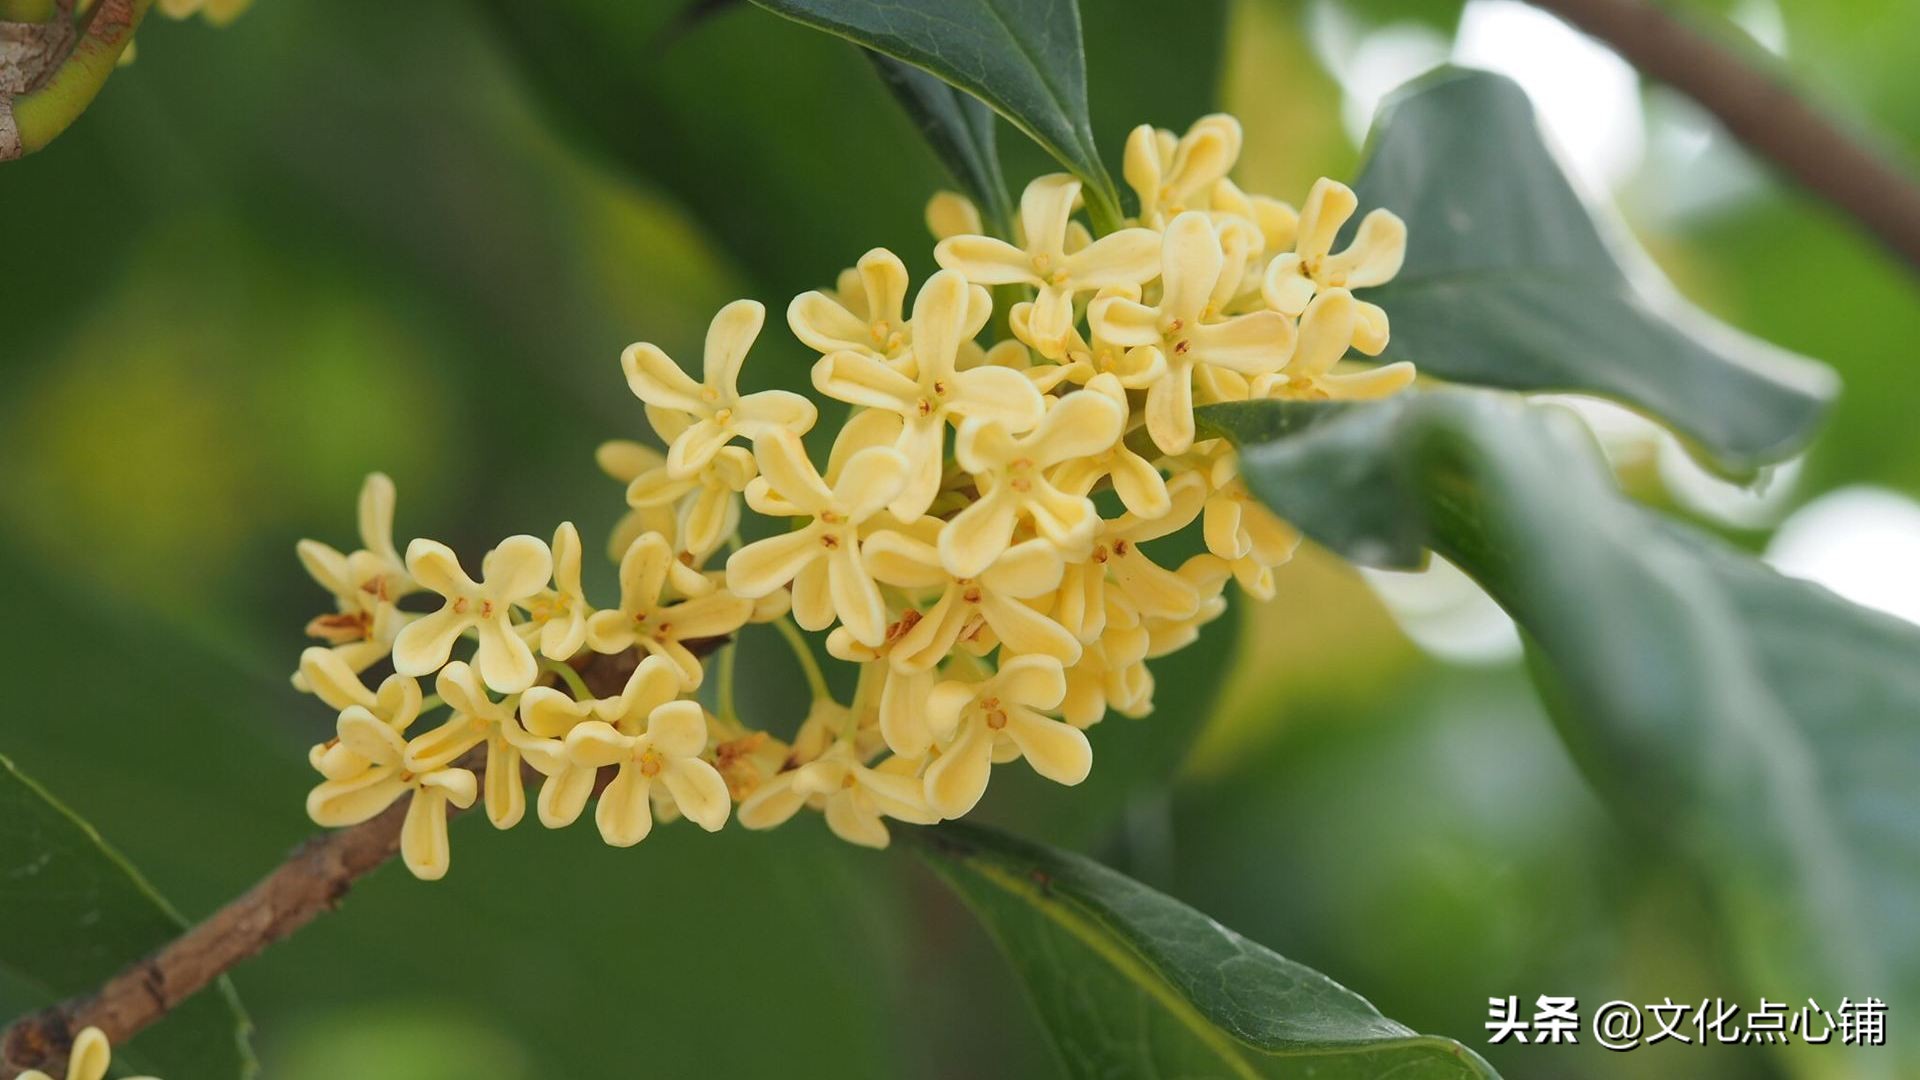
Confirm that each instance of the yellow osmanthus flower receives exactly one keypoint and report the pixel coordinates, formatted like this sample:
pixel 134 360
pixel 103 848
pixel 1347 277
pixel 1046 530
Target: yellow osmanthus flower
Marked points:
pixel 1012 476
pixel 88 1060
pixel 332 680
pixel 1118 565
pixel 475 719
pixel 352 800
pixel 1141 488
pixel 950 213
pixel 720 412
pixel 648 617
pixel 821 559
pixel 365 584
pixel 512 573
pixel 1126 257
pixel 854 797
pixel 550 716
pixel 868 316
pixel 661 744
pixel 1240 530
pixel 990 601
pixel 935 393
pixel 1374 258
pixel 1188 328
pixel 1327 330
pixel 557 617
pixel 903 690
pixel 625 460
pixel 1084 360
pixel 1172 176
pixel 1112 672
pixel 706 501
pixel 1000 718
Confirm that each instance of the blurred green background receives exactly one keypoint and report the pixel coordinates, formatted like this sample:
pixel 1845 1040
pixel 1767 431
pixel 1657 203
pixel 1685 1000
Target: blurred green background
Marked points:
pixel 346 236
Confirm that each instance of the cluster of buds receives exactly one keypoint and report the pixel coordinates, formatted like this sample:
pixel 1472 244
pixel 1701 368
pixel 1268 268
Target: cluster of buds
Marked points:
pixel 975 543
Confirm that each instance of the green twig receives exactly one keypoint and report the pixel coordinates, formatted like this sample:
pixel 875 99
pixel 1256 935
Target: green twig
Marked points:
pixel 32 120
pixel 576 684
pixel 803 652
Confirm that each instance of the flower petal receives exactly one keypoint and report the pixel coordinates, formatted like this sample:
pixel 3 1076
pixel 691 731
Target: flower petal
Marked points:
pixel 563 796
pixel 1027 569
pixel 435 566
pixel 1252 344
pixel 503 658
pixel 903 718
pixel 1326 331
pixel 520 567
pixel 979 534
pixel 985 260
pixel 699 791
pixel 1129 256
pixel 595 744
pixel 956 781
pixel 1192 261
pixel 1329 204
pixel 765 565
pixel 998 394
pixel 424 645
pixel 772 803
pixel 423 837
pixel 860 379
pixel 825 325
pixel 1060 752
pixel 1376 254
pixel 339 803
pixel 678 729
pixel 872 479
pixel 729 337
pixel 625 813
pixel 655 379
pixel 856 599
pixel 785 468
pixel 854 823
pixel 1035 681
pixel 506 792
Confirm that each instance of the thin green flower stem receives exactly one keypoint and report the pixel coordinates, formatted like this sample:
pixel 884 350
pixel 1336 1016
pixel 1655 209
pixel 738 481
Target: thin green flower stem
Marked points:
pixel 727 659
pixel 816 679
pixel 430 703
pixel 575 684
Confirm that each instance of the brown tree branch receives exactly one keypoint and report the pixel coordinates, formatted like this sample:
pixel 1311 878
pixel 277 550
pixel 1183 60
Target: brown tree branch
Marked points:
pixel 312 881
pixel 1762 111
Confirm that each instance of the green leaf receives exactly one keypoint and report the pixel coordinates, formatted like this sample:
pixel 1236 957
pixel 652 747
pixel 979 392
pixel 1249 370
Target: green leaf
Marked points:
pixel 76 912
pixel 958 126
pixel 1761 725
pixel 1022 57
pixel 1131 983
pixel 1510 281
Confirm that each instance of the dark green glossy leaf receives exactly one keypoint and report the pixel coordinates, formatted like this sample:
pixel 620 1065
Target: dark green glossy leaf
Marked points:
pixel 1511 281
pixel 1131 983
pixel 1022 57
pixel 75 912
pixel 1761 725
pixel 958 126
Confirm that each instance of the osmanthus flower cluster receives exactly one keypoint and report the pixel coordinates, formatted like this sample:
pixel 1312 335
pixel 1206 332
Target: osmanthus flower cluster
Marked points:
pixel 976 543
